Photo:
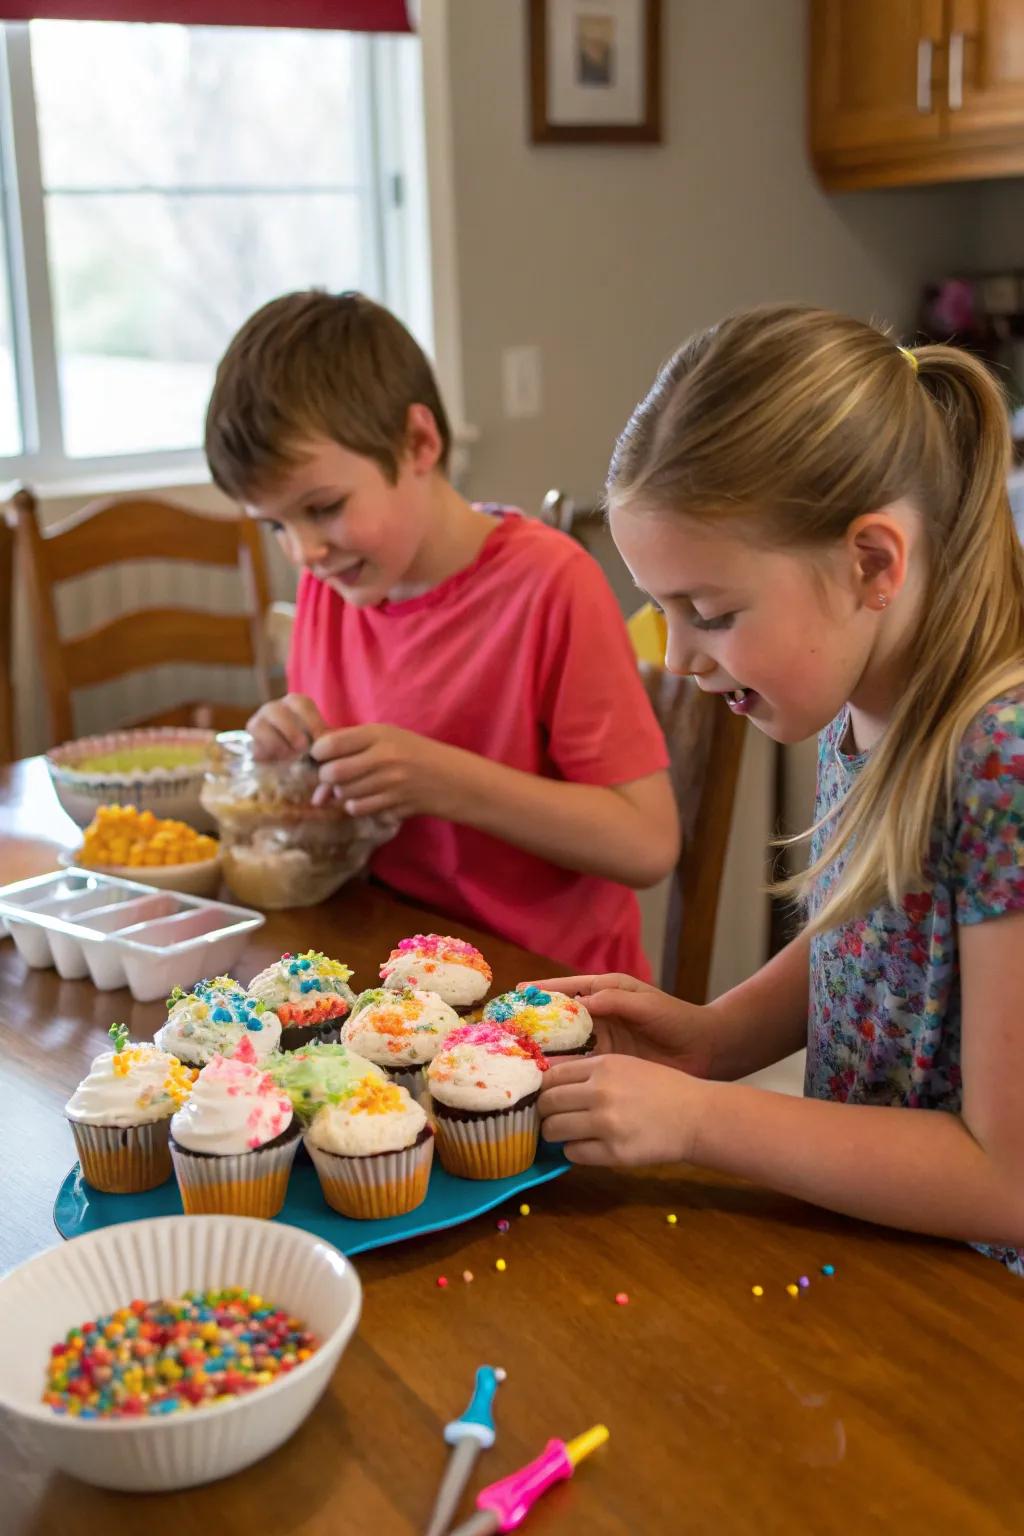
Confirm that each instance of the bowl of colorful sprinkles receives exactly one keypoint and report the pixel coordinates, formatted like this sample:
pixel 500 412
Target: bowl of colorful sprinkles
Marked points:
pixel 160 1354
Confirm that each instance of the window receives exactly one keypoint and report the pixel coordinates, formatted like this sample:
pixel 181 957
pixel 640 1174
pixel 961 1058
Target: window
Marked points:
pixel 161 182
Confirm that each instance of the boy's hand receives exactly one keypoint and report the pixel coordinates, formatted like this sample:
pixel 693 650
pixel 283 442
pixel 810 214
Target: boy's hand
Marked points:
pixel 620 1110
pixel 383 769
pixel 632 1018
pixel 285 727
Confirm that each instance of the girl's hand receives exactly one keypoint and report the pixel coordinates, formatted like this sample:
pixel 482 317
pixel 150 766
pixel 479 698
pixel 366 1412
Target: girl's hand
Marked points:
pixel 620 1110
pixel 632 1018
pixel 383 769
pixel 285 727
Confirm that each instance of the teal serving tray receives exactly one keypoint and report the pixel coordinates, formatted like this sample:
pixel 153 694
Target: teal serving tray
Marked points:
pixel 80 1208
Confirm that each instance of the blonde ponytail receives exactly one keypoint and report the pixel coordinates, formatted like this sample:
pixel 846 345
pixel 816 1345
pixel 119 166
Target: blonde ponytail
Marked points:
pixel 805 420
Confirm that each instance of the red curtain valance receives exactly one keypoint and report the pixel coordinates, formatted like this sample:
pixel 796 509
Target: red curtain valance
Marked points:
pixel 337 15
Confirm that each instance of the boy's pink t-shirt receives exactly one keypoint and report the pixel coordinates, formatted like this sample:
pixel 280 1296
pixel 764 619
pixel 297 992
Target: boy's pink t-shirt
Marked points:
pixel 522 657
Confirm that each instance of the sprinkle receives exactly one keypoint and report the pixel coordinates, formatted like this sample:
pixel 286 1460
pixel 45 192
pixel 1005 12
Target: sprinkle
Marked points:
pixel 442 1281
pixel 524 1210
pixel 803 1282
pixel 500 1374
pixel 621 1299
pixel 828 1269
pixel 503 1225
pixel 467 1275
pixel 792 1290
pixel 671 1218
pixel 757 1290
pixel 500 1266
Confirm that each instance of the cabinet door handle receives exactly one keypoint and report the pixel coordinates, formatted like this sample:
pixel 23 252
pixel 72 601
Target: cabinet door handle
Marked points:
pixel 924 74
pixel 956 71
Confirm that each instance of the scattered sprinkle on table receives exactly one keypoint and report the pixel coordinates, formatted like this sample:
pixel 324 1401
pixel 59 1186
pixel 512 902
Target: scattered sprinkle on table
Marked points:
pixel 500 1265
pixel 621 1299
pixel 467 1275
pixel 524 1210
pixel 671 1218
pixel 503 1225
pixel 828 1269
pixel 172 1355
pixel 792 1290
pixel 757 1290
pixel 803 1282
pixel 442 1281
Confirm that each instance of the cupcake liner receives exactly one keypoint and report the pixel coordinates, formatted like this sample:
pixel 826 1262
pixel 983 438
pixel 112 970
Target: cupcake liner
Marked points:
pixel 373 1188
pixel 123 1159
pixel 240 1184
pixel 490 1146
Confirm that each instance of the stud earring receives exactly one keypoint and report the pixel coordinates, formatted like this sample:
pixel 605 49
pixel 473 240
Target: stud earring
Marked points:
pixel 882 600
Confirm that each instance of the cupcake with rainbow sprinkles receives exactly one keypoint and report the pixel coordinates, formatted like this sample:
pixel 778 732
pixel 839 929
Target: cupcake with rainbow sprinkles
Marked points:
pixel 400 1030
pixel 435 962
pixel 212 1020
pixel 484 1085
pixel 120 1113
pixel 309 993
pixel 372 1151
pixel 234 1141
pixel 559 1024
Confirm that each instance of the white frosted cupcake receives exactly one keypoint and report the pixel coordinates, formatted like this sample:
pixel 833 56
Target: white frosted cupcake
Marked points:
pixel 400 1030
pixel 484 1084
pixel 559 1024
pixel 309 993
pixel 435 962
pixel 212 1020
pixel 120 1114
pixel 234 1141
pixel 372 1151
pixel 319 1074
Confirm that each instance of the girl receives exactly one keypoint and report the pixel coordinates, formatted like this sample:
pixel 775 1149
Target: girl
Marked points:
pixel 823 516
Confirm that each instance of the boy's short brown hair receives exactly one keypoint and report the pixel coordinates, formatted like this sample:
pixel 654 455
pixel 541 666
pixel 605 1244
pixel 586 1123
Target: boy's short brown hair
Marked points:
pixel 316 364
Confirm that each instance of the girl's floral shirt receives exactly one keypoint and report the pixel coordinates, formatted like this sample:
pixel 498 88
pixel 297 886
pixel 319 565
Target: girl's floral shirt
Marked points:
pixel 884 1017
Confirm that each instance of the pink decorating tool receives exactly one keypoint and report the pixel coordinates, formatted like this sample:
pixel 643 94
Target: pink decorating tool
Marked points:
pixel 503 1506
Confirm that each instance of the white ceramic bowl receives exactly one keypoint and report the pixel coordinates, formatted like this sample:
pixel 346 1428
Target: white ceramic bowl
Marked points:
pixel 164 791
pixel 200 878
pixel 95 1274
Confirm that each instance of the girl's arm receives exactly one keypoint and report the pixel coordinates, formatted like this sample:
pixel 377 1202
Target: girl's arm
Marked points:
pixel 924 1170
pixel 629 832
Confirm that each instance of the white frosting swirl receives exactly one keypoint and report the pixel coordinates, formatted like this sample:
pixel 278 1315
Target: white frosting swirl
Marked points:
pixel 491 1074
pixel 196 1031
pixel 234 1107
pixel 376 1118
pixel 554 1020
pixel 398 1028
pixel 460 986
pixel 129 1087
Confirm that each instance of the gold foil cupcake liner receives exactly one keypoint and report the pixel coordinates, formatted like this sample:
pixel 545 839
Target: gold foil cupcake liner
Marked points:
pixel 123 1159
pixel 373 1188
pixel 240 1184
pixel 490 1147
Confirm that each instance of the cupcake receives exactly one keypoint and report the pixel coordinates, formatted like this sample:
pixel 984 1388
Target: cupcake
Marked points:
pixel 318 1074
pixel 400 1030
pixel 559 1024
pixel 120 1113
pixel 484 1084
pixel 372 1151
pixel 434 962
pixel 212 1019
pixel 234 1140
pixel 309 994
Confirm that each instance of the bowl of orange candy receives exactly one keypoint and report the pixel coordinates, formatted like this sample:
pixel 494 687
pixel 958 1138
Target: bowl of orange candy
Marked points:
pixel 137 845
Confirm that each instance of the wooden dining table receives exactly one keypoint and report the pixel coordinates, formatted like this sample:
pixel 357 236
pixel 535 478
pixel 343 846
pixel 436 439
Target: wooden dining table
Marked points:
pixel 886 1396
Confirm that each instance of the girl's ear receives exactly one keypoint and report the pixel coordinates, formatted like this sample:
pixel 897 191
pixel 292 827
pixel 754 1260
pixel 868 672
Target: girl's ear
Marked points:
pixel 879 547
pixel 423 446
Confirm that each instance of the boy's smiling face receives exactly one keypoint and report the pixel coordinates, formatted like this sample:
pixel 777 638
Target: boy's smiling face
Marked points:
pixel 338 515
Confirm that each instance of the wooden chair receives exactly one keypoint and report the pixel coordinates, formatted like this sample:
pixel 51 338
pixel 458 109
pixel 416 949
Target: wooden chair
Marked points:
pixel 109 532
pixel 705 742
pixel 6 638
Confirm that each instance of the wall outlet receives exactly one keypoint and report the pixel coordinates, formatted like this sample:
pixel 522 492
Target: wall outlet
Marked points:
pixel 521 382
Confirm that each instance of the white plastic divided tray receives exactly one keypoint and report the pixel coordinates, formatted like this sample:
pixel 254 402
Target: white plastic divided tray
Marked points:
pixel 122 933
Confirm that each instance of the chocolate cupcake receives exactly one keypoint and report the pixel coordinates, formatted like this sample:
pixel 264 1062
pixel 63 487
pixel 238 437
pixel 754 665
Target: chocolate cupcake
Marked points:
pixel 484 1085
pixel 309 994
pixel 435 962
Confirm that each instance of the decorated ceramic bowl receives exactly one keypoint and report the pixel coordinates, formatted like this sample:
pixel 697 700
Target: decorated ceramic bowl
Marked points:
pixel 158 769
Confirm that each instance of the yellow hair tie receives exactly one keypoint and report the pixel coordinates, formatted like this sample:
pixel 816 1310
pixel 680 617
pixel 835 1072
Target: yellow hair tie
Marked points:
pixel 910 357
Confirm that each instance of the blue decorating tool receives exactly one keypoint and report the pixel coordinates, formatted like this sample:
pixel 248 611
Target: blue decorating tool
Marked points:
pixel 468 1435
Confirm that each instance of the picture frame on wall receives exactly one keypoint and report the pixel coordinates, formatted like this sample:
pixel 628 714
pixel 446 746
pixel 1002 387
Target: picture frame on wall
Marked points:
pixel 595 71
